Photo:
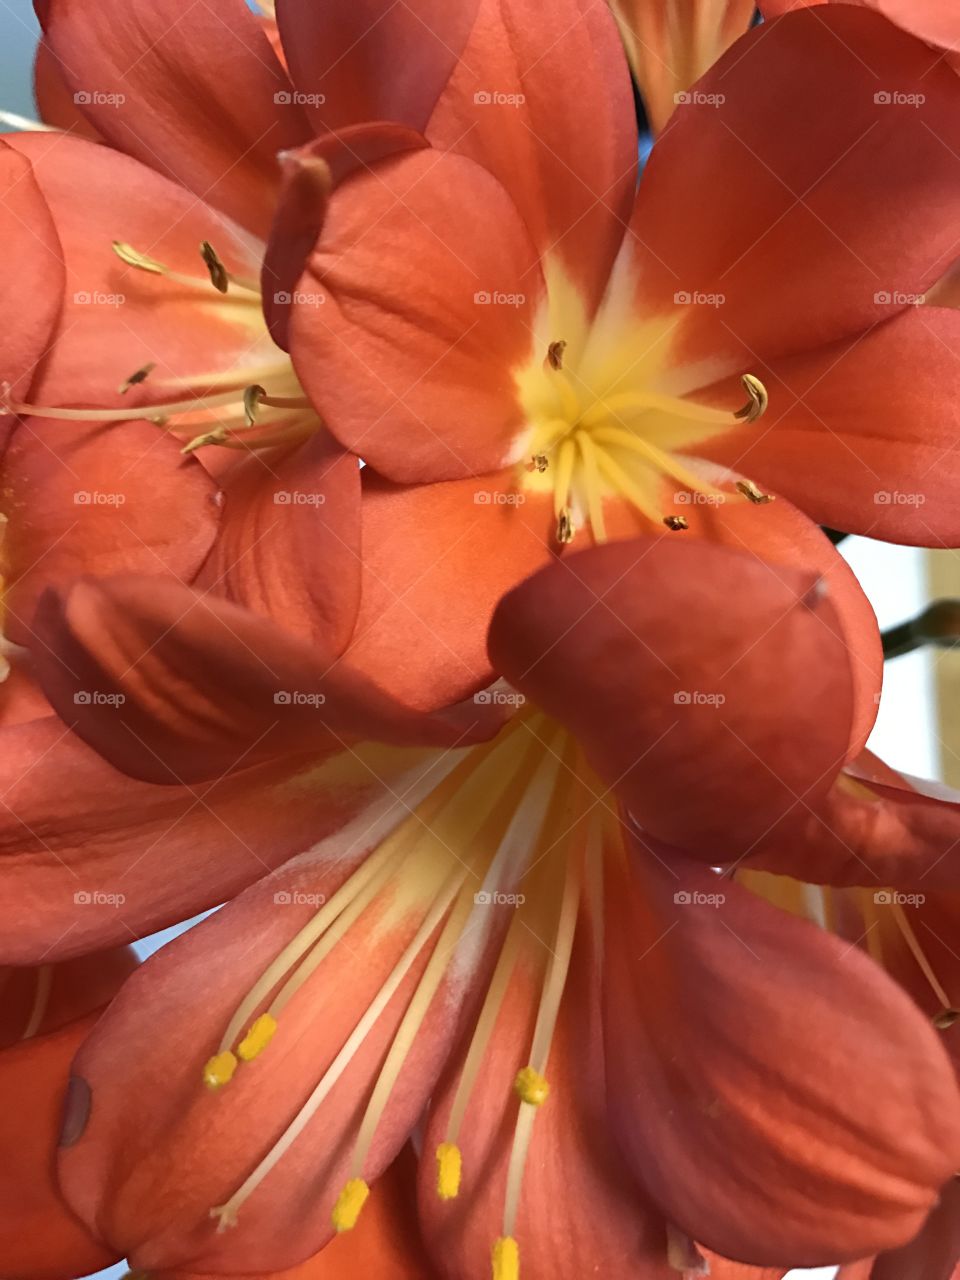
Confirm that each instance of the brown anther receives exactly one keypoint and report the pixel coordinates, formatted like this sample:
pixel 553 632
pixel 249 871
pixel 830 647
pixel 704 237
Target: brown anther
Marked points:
pixel 135 379
pixel 539 463
pixel 218 272
pixel 555 353
pixel 757 401
pixel 946 1018
pixel 676 523
pixel 251 402
pixel 750 490
pixel 216 436
pixel 565 529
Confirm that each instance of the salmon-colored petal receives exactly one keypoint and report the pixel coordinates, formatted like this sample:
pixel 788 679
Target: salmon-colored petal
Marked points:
pixel 930 20
pixel 118 319
pixel 40 1000
pixel 173 685
pixel 91 857
pixel 430 284
pixel 861 434
pixel 724 1269
pixel 801 235
pixel 82 498
pixel 781 1099
pixel 40 1239
pixel 708 743
pixel 935 1252
pixel 579 1211
pixel 288 546
pixel 153 1161
pixel 197 94
pixel 55 100
pixel 568 160
pixel 31 268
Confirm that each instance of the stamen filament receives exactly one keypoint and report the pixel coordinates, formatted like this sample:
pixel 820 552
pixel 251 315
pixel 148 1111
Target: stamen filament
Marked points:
pixel 658 458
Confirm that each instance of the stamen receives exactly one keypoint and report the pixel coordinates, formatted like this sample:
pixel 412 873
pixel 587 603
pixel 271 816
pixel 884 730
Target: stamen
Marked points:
pixel 449 1168
pixel 134 258
pixel 565 526
pixel 750 490
pixel 539 462
pixel 757 402
pixel 257 1038
pixel 555 354
pixel 351 1200
pixel 218 272
pixel 591 480
pixel 506 1259
pixel 40 1001
pixel 217 436
pixel 945 1019
pixel 136 378
pixel 676 523
pixel 657 458
pixel 916 950
pixel 219 1069
pixel 531 1087
pixel 251 402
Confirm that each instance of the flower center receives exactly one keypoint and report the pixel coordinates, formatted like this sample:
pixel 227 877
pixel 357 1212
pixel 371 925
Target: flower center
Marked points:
pixel 254 406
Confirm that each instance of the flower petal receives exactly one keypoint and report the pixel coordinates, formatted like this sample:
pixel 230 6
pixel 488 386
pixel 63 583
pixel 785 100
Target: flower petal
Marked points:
pixel 55 101
pixel 753 723
pixel 411 360
pixel 929 20
pixel 42 999
pixel 198 94
pixel 780 1098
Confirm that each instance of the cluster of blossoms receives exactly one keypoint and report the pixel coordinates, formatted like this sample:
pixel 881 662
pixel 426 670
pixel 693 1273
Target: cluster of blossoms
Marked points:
pixel 412 548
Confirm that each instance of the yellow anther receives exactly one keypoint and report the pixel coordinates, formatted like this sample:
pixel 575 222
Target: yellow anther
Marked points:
pixel 449 1165
pixel 134 258
pixel 259 1035
pixel 531 1087
pixel 757 402
pixel 218 272
pixel 506 1259
pixel 219 1069
pixel 349 1203
pixel 750 490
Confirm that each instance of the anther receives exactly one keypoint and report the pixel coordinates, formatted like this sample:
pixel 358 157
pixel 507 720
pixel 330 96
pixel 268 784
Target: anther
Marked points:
pixel 261 1032
pixel 757 402
pixel 506 1259
pixel 134 258
pixel 218 272
pixel 531 1087
pixel 135 379
pixel 946 1018
pixel 251 402
pixel 449 1168
pixel 539 462
pixel 676 523
pixel 555 353
pixel 750 490
pixel 349 1203
pixel 219 1069
pixel 216 436
pixel 565 529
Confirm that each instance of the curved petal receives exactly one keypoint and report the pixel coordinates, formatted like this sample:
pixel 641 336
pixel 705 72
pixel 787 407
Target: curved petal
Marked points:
pixel 579 1212
pixel 289 542
pixel 55 100
pixel 929 20
pixel 862 434
pixel 152 1162
pixel 31 268
pixel 80 498
pixel 753 724
pixel 198 94
pixel 118 319
pixel 802 238
pixel 40 1000
pixel 172 685
pixel 91 857
pixel 411 360
pixel 780 1097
